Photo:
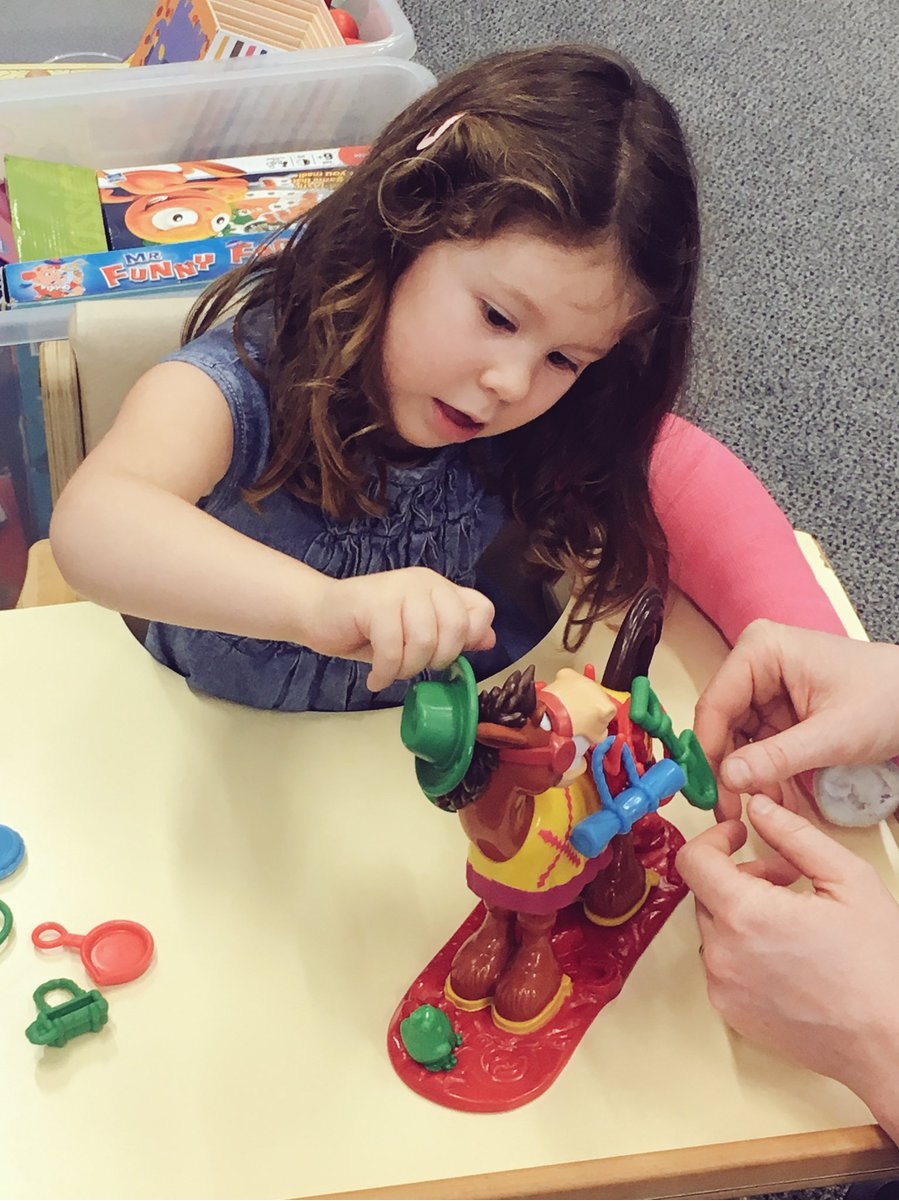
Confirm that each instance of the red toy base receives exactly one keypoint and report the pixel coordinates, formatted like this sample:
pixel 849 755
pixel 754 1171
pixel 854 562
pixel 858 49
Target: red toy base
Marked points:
pixel 497 1070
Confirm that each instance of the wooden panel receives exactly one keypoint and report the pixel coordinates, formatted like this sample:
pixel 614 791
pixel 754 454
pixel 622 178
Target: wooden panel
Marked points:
pixel 735 1169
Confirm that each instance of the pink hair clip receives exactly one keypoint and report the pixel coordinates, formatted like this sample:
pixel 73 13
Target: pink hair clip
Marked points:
pixel 430 138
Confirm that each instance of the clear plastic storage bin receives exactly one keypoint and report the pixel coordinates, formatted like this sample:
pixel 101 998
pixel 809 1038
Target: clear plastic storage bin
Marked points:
pixel 383 27
pixel 53 29
pixel 196 111
pixel 127 118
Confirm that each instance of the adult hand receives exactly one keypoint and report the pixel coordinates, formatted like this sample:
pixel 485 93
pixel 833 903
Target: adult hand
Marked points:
pixel 787 700
pixel 402 622
pixel 812 975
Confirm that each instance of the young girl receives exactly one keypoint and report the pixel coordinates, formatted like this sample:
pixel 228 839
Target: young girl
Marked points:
pixel 488 322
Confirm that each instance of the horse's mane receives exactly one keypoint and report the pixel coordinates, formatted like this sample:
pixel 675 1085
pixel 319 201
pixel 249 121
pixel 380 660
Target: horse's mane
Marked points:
pixel 510 704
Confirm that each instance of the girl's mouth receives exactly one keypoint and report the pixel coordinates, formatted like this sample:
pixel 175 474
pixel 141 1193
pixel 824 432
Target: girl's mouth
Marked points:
pixel 458 424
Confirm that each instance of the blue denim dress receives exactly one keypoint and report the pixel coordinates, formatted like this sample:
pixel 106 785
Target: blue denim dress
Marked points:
pixel 439 516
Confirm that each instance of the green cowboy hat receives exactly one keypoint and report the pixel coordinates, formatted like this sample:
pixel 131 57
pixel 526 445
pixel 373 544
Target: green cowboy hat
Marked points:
pixel 439 726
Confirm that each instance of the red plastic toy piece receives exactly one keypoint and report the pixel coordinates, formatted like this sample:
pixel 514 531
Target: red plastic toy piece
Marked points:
pixel 112 953
pixel 498 1070
pixel 345 22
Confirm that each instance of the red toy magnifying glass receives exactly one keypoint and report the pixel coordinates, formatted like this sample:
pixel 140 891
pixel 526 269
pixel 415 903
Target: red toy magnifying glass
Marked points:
pixel 113 952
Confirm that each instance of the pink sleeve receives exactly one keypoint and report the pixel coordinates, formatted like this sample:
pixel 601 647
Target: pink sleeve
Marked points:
pixel 733 551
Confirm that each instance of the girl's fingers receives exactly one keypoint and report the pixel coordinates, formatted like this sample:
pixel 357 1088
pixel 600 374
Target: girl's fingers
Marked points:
pixel 386 637
pixel 481 612
pixel 421 634
pixel 452 627
pixel 428 628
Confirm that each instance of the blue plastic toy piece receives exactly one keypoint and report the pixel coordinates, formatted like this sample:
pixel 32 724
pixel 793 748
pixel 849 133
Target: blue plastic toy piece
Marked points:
pixel 620 814
pixel 12 851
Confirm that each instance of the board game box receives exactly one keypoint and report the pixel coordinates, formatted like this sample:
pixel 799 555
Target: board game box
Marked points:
pixel 145 269
pixel 179 202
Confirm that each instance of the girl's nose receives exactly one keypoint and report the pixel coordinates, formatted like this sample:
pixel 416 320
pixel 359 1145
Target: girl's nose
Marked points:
pixel 509 378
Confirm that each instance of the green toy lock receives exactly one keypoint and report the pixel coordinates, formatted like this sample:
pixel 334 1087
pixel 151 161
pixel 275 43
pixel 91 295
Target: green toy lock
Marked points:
pixel 55 1025
pixel 646 710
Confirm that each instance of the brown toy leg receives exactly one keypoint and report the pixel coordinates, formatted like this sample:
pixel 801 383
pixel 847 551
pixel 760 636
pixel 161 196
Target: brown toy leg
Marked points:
pixel 533 987
pixel 480 960
pixel 619 890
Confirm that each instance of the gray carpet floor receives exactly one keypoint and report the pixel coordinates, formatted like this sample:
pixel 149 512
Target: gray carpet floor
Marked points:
pixel 792 110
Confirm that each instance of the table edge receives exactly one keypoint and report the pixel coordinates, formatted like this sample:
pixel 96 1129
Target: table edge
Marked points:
pixel 794 1161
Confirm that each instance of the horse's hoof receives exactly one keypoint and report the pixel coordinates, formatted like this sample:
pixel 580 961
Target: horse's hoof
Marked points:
pixel 469 1004
pixel 618 919
pixel 524 1022
pixel 531 990
pixel 478 965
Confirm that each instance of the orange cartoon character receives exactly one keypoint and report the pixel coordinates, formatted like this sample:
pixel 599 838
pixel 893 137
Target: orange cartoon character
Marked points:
pixel 171 207
pixel 56 279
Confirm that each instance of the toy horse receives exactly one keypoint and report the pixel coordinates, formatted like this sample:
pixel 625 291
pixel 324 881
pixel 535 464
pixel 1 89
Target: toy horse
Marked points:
pixel 514 764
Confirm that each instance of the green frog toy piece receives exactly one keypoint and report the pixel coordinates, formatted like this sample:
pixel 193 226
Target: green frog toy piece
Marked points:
pixel 430 1039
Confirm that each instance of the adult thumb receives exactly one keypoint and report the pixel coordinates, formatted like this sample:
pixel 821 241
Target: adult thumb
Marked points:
pixel 808 849
pixel 756 766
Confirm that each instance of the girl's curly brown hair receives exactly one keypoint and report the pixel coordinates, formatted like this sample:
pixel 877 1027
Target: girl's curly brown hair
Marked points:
pixel 568 142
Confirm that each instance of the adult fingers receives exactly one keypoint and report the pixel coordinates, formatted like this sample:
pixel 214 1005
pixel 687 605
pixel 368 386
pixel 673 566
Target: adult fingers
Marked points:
pixel 808 744
pixel 729 807
pixel 729 695
pixel 705 862
pixel 812 852
pixel 773 868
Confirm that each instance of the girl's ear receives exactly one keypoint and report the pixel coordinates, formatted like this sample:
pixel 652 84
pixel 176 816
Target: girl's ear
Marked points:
pixel 490 733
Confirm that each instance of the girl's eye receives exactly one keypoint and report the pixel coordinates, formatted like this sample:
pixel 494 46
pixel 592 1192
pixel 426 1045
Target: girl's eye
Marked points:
pixel 560 360
pixel 497 319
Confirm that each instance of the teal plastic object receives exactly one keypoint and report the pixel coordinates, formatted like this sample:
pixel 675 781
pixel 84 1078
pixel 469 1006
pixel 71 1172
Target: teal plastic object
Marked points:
pixel 55 1025
pixel 12 851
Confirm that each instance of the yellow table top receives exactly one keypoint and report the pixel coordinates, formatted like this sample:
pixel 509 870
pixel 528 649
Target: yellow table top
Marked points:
pixel 296 881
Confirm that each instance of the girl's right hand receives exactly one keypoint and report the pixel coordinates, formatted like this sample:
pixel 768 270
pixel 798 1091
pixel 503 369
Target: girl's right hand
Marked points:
pixel 402 622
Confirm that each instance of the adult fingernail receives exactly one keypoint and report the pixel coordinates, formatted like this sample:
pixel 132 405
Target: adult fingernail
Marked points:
pixel 737 774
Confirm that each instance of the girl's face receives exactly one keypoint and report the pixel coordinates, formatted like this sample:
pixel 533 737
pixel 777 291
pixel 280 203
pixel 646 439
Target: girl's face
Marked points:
pixel 482 337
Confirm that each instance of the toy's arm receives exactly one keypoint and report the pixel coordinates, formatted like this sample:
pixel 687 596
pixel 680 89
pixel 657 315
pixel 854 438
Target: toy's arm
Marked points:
pixel 733 551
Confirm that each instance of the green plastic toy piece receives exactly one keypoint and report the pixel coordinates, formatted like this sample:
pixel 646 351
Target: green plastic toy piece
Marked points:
pixel 430 1039
pixel 6 928
pixel 439 726
pixel 646 710
pixel 55 1025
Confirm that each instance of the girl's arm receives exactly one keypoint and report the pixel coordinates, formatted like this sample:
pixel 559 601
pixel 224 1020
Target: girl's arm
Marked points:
pixel 733 551
pixel 126 533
